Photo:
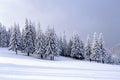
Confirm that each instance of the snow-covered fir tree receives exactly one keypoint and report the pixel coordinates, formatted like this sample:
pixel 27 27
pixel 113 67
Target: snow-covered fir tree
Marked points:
pixel 51 44
pixel 87 49
pixel 77 49
pixel 3 36
pixel 9 32
pixel 19 37
pixel 0 34
pixel 29 37
pixel 33 30
pixel 60 45
pixel 104 56
pixel 108 58
pixel 69 47
pixel 40 43
pixel 15 39
pixel 23 41
pixel 95 56
pixel 64 45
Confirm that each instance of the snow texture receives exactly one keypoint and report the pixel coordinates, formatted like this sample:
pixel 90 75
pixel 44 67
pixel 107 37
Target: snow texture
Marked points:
pixel 20 67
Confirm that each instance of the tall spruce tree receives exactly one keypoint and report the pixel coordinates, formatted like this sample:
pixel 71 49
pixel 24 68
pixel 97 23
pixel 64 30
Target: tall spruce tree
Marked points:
pixel 40 43
pixel 0 34
pixel 103 53
pixel 3 36
pixel 29 36
pixel 69 47
pixel 60 45
pixel 77 49
pixel 9 32
pixel 15 39
pixel 87 49
pixel 95 56
pixel 51 45
pixel 64 45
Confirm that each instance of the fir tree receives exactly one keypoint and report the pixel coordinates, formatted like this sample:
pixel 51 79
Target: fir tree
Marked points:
pixel 0 35
pixel 60 45
pixel 77 49
pixel 51 45
pixel 95 56
pixel 87 49
pixel 23 41
pixel 40 43
pixel 3 38
pixel 15 39
pixel 103 53
pixel 64 45
pixel 69 47
pixel 29 43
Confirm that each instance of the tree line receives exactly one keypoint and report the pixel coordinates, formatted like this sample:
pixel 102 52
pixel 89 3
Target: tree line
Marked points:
pixel 47 45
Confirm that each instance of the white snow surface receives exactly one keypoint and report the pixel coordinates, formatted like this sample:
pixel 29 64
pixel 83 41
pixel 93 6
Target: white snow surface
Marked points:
pixel 21 67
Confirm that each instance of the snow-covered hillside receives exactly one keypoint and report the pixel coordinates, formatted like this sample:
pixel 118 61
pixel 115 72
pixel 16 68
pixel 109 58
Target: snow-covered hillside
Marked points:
pixel 19 67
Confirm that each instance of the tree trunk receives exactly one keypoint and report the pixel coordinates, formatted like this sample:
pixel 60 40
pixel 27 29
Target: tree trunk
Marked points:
pixel 90 60
pixel 28 54
pixel 102 61
pixel 52 58
pixel 16 52
pixel 41 57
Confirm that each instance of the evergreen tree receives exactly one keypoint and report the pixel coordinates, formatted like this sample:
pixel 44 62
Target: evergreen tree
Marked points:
pixel 77 49
pixel 29 43
pixel 87 49
pixel 33 30
pixel 95 56
pixel 103 53
pixel 64 45
pixel 15 39
pixel 4 37
pixel 69 47
pixel 23 41
pixel 60 45
pixel 40 43
pixel 0 34
pixel 9 32
pixel 51 45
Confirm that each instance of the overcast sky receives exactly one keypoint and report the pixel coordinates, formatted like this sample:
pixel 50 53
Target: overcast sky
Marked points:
pixel 81 16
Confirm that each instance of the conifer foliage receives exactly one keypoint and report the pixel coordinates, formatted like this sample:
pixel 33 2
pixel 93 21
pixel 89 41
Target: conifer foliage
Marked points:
pixel 77 48
pixel 40 43
pixel 31 40
pixel 3 36
pixel 95 56
pixel 15 39
pixel 51 44
pixel 87 49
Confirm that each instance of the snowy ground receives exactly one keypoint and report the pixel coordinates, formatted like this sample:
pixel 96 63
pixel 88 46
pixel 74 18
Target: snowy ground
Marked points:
pixel 19 67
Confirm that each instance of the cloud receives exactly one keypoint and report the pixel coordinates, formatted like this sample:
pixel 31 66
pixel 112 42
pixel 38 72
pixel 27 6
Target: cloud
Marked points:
pixel 81 16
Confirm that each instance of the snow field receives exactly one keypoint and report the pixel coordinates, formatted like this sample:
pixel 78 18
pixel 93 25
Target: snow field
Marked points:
pixel 19 67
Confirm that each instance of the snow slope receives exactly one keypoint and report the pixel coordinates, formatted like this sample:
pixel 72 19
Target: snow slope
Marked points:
pixel 19 67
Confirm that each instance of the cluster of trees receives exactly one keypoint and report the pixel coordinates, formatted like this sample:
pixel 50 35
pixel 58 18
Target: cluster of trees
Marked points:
pixel 33 41
pixel 4 36
pixel 47 45
pixel 90 51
